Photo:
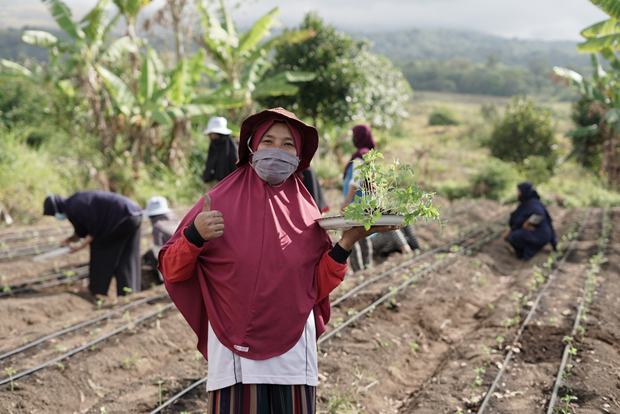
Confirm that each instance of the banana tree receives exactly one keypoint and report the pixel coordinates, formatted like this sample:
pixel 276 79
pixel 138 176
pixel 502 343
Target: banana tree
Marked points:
pixel 603 90
pixel 240 60
pixel 73 61
pixel 161 99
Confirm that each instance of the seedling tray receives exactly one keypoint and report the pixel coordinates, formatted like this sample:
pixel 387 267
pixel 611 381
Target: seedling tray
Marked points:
pixel 340 223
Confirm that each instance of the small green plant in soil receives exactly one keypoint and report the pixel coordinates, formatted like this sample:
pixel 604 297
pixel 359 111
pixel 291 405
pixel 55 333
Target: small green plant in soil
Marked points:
pixel 61 350
pixel 197 358
pixel 127 291
pixel 131 361
pixel 10 372
pixel 487 350
pixel 161 389
pixel 99 303
pixel 93 334
pixel 413 345
pixel 500 342
pixel 382 194
pixel 476 383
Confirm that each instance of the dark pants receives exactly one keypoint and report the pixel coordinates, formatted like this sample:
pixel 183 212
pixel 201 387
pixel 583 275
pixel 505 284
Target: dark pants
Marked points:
pixel 117 254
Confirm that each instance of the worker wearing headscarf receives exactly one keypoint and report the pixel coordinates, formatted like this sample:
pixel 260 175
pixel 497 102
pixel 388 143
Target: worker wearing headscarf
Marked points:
pixel 110 224
pixel 251 271
pixel 222 154
pixel 531 227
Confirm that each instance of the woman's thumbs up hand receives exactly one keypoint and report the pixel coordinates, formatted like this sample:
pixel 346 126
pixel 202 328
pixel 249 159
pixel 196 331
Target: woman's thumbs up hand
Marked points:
pixel 210 224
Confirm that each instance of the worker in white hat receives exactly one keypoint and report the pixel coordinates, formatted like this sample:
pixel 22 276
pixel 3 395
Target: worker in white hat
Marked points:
pixel 164 223
pixel 222 157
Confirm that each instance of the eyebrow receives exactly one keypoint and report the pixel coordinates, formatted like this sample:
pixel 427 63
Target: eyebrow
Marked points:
pixel 271 136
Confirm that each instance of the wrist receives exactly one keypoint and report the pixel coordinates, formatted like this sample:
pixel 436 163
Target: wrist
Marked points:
pixel 346 243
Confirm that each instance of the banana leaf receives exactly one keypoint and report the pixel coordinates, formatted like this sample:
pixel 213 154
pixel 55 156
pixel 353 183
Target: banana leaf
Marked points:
pixel 121 94
pixel 62 14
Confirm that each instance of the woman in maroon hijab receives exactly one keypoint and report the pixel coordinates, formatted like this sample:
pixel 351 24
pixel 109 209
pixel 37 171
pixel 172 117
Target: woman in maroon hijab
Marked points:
pixel 251 272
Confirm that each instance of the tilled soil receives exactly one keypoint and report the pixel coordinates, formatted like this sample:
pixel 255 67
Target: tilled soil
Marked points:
pixel 416 354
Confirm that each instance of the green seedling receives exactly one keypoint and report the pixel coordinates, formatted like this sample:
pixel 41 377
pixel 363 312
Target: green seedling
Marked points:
pixel 93 334
pixel 161 313
pixel 127 291
pixel 67 324
pixel 477 381
pixel 381 343
pixel 351 312
pixel 507 324
pixel 99 303
pixel 491 306
pixel 413 345
pixel 392 301
pixel 61 350
pixel 10 372
pixel 127 316
pixel 553 320
pixel 500 342
pixel 487 351
pixel 103 410
pixel 161 390
pixel 131 361
pixel 197 359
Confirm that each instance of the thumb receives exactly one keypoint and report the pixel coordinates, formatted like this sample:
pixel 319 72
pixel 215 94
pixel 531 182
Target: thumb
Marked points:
pixel 207 203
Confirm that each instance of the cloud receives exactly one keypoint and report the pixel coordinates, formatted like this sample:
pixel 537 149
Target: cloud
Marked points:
pixel 548 19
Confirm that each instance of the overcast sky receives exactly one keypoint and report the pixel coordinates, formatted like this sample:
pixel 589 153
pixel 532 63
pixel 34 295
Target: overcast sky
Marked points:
pixel 527 19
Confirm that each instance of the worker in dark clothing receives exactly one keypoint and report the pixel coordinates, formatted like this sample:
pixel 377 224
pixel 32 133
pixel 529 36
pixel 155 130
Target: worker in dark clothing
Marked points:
pixel 311 182
pixel 164 223
pixel 222 157
pixel 531 227
pixel 110 224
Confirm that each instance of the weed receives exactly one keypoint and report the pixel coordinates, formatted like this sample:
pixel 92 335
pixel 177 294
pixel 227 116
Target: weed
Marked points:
pixel 341 404
pixel 10 371
pixel 161 389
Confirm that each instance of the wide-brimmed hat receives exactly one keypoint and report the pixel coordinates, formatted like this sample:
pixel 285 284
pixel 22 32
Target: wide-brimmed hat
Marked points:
pixel 155 206
pixel 218 125
pixel 309 135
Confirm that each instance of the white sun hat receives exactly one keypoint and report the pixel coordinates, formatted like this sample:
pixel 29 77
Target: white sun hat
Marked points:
pixel 155 206
pixel 218 125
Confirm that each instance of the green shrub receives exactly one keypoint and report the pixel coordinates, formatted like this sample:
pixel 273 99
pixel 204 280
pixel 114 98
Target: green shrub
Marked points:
pixel 535 169
pixel 443 116
pixel 525 130
pixel 496 180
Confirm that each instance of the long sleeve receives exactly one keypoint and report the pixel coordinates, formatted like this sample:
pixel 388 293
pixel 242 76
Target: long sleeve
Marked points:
pixel 178 262
pixel 331 271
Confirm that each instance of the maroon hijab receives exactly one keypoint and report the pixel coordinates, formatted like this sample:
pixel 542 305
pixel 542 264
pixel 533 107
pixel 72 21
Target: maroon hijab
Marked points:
pixel 363 140
pixel 256 284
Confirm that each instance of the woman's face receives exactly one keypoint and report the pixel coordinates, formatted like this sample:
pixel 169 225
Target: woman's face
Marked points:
pixel 278 136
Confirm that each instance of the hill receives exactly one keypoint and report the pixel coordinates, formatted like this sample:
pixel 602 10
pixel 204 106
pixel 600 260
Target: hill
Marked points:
pixel 445 44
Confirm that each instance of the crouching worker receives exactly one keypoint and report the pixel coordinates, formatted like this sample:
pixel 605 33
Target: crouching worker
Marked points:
pixel 164 223
pixel 251 272
pixel 531 226
pixel 110 224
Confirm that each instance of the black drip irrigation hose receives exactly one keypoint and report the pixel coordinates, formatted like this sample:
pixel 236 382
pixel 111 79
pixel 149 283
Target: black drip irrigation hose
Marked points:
pixel 82 325
pixel 45 232
pixel 44 285
pixel 558 379
pixel 407 264
pixel 551 277
pixel 354 318
pixel 87 345
pixel 44 278
pixel 27 251
pixel 406 283
pixel 179 395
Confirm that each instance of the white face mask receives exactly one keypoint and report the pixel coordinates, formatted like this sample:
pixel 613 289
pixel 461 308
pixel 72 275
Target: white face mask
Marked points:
pixel 61 216
pixel 274 165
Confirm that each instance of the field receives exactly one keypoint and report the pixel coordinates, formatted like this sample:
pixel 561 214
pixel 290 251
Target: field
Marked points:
pixel 461 326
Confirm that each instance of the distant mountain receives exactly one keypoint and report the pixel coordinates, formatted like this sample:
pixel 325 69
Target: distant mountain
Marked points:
pixel 12 47
pixel 445 44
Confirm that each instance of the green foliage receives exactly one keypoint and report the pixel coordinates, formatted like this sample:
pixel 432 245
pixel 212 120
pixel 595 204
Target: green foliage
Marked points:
pixel 382 194
pixel 351 85
pixel 587 140
pixel 453 190
pixel 443 116
pixel 496 180
pixel 526 130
